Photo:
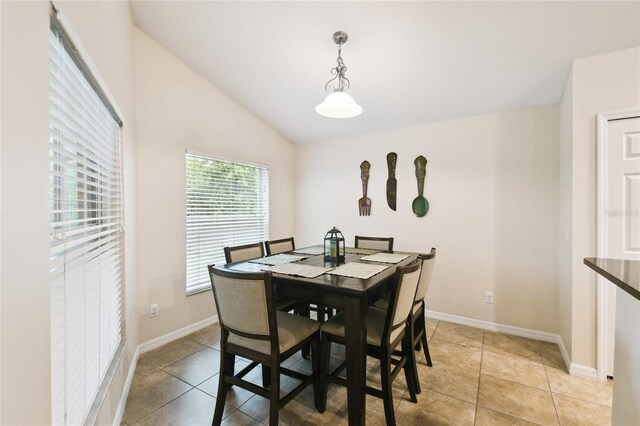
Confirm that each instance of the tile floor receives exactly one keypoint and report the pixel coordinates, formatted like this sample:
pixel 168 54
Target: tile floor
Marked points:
pixel 479 377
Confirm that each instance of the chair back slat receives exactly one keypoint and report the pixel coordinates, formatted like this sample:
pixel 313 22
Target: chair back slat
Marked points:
pixel 378 243
pixel 279 246
pixel 242 300
pixel 244 252
pixel 428 260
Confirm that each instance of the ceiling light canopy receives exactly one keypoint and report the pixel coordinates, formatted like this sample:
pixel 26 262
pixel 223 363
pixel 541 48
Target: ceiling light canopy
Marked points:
pixel 339 104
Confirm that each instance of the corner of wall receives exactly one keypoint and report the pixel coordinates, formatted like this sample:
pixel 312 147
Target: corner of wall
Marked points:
pixel 565 210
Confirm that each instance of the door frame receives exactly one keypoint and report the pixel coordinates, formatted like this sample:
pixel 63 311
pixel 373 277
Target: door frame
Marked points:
pixel 601 235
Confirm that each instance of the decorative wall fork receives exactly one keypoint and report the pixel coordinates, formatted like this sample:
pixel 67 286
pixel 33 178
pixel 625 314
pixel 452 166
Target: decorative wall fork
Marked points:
pixel 364 203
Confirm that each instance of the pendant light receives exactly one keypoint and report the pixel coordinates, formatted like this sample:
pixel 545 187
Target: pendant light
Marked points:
pixel 338 104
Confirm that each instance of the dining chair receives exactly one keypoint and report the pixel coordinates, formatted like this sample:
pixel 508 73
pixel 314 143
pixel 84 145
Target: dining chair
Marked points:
pixel 288 244
pixel 386 330
pixel 417 322
pixel 255 251
pixel 243 252
pixel 279 246
pixel 262 335
pixel 379 243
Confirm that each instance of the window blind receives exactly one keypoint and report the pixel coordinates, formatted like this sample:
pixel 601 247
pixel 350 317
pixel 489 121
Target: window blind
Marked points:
pixel 227 205
pixel 86 233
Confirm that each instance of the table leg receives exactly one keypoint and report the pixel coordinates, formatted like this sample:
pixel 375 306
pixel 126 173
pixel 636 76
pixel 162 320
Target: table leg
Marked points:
pixel 355 311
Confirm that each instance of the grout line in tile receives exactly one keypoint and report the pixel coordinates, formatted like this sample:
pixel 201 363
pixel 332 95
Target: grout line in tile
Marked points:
pixel 200 343
pixel 193 353
pixel 580 399
pixel 451 396
pixel 513 381
pixel 247 414
pixel 549 386
pixel 205 381
pixel 183 381
pixel 495 352
pixel 153 411
pixel 475 417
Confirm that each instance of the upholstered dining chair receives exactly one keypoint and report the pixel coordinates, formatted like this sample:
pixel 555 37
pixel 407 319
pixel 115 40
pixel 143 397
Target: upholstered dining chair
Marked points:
pixel 243 252
pixel 279 246
pixel 386 330
pixel 288 244
pixel 379 243
pixel 255 251
pixel 262 335
pixel 417 322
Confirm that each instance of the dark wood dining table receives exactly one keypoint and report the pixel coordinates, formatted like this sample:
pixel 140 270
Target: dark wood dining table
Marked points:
pixel 353 296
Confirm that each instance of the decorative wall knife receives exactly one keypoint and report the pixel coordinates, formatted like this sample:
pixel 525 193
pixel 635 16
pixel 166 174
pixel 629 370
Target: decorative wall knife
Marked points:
pixel 392 183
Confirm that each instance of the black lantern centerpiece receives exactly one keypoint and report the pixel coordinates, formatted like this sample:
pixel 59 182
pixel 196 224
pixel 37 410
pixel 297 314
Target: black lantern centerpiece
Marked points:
pixel 334 245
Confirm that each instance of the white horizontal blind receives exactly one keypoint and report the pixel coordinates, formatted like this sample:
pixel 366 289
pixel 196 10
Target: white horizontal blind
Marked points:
pixel 227 205
pixel 86 234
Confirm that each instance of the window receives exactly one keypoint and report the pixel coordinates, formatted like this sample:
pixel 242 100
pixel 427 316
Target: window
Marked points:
pixel 86 234
pixel 227 205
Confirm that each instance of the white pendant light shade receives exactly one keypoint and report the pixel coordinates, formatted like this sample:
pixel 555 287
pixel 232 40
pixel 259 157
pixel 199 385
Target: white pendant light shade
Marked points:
pixel 339 105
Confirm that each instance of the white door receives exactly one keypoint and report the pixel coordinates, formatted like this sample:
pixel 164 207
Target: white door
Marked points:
pixel 621 209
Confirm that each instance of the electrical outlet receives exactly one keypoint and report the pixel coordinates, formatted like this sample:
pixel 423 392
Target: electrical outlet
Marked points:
pixel 153 310
pixel 488 298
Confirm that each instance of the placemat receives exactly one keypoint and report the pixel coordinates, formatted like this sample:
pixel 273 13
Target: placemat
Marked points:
pixel 385 257
pixel 354 250
pixel 299 270
pixel 277 259
pixel 358 270
pixel 249 267
pixel 313 250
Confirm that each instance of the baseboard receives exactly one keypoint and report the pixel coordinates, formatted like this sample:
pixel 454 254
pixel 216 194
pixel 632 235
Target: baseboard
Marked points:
pixel 565 354
pixel 176 334
pixel 574 369
pixel 117 420
pixel 583 371
pixel 492 326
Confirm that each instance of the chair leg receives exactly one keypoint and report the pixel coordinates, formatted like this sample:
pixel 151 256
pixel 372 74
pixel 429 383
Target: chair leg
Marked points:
pixel 266 376
pixel 410 368
pixel 274 397
pixel 321 313
pixel 315 368
pixel 226 369
pixel 325 355
pixel 423 338
pixel 305 311
pixel 387 391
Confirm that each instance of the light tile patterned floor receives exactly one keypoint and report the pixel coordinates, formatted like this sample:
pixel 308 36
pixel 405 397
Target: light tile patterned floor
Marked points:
pixel 479 377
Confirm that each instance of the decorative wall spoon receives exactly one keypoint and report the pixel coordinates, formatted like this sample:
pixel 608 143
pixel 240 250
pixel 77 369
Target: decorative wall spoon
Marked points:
pixel 420 204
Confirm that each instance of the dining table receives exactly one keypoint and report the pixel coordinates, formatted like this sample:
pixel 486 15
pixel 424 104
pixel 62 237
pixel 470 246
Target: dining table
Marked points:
pixel 350 294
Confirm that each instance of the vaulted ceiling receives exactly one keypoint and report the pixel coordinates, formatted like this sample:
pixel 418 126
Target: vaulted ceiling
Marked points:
pixel 408 62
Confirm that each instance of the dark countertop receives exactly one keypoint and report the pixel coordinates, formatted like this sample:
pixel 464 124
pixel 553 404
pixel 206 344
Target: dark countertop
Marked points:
pixel 623 273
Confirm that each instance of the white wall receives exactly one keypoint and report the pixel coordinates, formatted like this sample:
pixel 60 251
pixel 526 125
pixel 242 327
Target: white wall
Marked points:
pixel 178 110
pixel 492 182
pixel 599 84
pixel 105 30
pixel 25 368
